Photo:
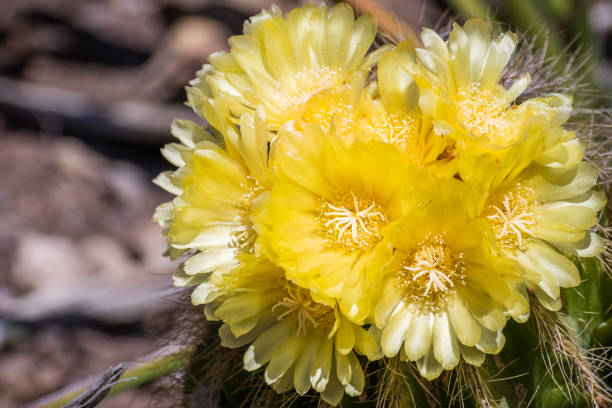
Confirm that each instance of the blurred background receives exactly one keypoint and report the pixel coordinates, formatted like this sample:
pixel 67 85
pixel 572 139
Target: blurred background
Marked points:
pixel 87 92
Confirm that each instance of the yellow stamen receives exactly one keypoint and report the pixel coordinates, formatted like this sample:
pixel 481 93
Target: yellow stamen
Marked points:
pixel 510 215
pixel 353 221
pixel 293 92
pixel 308 312
pixel 340 114
pixel 431 270
pixel 485 115
pixel 243 234
pixel 396 128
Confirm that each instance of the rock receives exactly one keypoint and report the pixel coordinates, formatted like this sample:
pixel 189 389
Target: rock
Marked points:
pixel 197 37
pixel 44 262
pixel 109 259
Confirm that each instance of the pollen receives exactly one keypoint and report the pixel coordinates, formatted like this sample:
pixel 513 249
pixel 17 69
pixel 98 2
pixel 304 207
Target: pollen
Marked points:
pixel 296 90
pixel 399 129
pixel 431 270
pixel 485 115
pixel 352 221
pixel 339 114
pixel 510 215
pixel 309 313
pixel 243 233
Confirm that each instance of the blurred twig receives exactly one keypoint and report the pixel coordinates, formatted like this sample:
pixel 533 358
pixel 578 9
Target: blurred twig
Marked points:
pixel 151 368
pixel 388 22
pixel 99 390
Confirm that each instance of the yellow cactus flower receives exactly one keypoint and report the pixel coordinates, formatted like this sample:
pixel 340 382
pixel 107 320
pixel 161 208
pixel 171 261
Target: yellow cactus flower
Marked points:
pixel 391 113
pixel 463 74
pixel 459 81
pixel 542 140
pixel 330 207
pixel 281 62
pixel 215 192
pixel 541 211
pixel 303 344
pixel 445 295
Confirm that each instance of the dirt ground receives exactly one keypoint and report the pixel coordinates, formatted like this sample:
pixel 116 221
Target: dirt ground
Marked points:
pixel 88 92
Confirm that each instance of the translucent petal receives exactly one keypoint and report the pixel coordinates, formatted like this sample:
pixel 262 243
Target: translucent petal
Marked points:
pixel 262 350
pixel 386 304
pixel 445 345
pixel 345 338
pixel 562 269
pixel 284 383
pixel 343 368
pixel 283 358
pixel 355 386
pixel 319 373
pixel 591 245
pixel 363 35
pixel 394 331
pixel 434 43
pixel 365 343
pixel 472 355
pixel 164 180
pixel 479 34
pixel 334 391
pixel 428 366
pixel 208 261
pixel 340 29
pixel 464 325
pixel 418 336
pixel 549 302
pixel 560 184
pixel 500 51
pixel 491 342
pixel 204 293
pixel 303 366
pixel 563 155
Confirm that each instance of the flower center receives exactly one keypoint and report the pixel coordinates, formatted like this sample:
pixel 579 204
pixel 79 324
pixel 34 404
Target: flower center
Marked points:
pixel 296 90
pixel 341 115
pixel 243 234
pixel 397 128
pixel 308 312
pixel 509 214
pixel 485 115
pixel 352 221
pixel 431 270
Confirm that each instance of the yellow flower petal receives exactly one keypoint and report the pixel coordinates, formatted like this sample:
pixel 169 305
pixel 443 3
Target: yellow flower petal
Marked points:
pixel 445 345
pixel 429 367
pixel 418 336
pixel 464 325
pixel 282 359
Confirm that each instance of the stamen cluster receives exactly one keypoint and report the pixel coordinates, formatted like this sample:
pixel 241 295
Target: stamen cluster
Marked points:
pixel 352 222
pixel 431 270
